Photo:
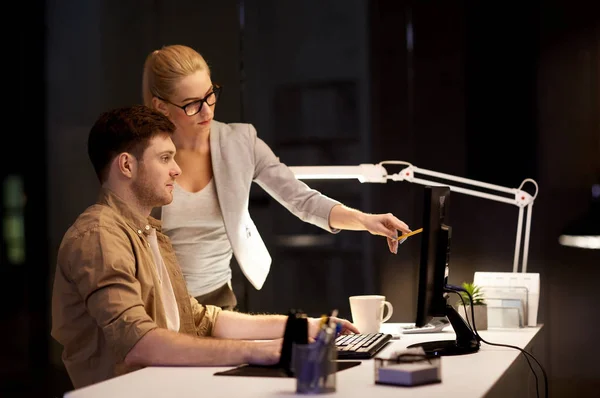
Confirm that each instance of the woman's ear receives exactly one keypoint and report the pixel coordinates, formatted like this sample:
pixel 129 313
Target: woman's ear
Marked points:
pixel 160 106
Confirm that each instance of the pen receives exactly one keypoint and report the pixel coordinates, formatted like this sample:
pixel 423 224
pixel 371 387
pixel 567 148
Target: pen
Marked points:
pixel 338 328
pixel 416 231
pixel 330 320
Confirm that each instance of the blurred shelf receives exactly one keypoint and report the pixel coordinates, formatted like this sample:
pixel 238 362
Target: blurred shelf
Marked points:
pixel 305 241
pixel 320 142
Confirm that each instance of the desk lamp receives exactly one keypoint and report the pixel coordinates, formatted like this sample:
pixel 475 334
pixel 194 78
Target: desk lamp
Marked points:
pixel 376 173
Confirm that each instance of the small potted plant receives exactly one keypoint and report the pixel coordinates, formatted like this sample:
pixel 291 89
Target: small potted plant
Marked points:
pixel 479 306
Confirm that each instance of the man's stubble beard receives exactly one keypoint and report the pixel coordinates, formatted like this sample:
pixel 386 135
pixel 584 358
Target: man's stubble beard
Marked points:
pixel 144 191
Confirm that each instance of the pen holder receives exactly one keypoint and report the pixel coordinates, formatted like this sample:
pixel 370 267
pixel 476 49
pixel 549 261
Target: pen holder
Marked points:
pixel 315 367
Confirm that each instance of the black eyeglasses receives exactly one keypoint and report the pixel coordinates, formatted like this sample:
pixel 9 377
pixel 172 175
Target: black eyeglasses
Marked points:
pixel 194 107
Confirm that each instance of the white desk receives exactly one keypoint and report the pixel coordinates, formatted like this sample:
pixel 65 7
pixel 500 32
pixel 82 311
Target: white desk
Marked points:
pixel 471 375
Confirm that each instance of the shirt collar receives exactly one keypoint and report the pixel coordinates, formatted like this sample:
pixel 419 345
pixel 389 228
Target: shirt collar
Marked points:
pixel 134 219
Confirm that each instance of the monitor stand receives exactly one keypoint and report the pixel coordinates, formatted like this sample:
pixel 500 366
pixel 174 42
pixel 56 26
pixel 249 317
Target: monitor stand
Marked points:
pixel 466 341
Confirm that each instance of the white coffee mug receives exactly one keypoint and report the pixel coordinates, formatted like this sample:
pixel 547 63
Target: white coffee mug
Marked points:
pixel 367 312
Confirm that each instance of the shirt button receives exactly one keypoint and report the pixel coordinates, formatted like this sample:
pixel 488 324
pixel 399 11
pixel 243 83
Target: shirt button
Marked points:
pixel 147 227
pixel 139 231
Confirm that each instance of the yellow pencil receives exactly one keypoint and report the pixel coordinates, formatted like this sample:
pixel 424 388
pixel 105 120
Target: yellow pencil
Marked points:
pixel 416 231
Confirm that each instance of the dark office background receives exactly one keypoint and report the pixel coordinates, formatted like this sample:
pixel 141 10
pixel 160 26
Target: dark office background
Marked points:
pixel 497 92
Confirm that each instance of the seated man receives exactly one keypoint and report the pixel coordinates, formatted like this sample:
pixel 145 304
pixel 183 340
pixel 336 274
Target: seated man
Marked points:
pixel 119 300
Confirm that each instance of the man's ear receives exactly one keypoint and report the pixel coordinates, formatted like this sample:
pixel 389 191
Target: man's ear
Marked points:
pixel 160 106
pixel 126 163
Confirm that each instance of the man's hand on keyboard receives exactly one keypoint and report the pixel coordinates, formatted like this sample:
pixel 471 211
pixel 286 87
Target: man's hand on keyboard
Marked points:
pixel 346 327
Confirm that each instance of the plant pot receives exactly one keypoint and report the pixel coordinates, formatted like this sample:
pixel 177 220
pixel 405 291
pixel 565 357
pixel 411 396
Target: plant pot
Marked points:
pixel 481 316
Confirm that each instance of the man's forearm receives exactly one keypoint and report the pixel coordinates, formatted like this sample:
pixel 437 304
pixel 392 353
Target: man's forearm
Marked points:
pixel 235 325
pixel 343 217
pixel 164 347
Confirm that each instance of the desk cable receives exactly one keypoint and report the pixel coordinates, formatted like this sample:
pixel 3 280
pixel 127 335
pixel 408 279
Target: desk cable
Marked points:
pixel 457 290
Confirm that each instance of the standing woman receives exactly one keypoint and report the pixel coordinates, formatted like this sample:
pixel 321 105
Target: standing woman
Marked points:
pixel 208 220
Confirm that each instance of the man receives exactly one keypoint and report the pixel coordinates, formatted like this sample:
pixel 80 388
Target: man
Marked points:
pixel 119 300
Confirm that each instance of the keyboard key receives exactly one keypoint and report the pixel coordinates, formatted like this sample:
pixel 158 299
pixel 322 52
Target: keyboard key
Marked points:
pixel 360 346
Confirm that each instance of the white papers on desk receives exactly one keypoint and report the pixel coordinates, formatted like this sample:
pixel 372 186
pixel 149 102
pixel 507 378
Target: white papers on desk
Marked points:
pixel 505 312
pixel 516 285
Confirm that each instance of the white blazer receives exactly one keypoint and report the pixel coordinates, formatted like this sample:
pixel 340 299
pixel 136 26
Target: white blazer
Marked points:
pixel 239 158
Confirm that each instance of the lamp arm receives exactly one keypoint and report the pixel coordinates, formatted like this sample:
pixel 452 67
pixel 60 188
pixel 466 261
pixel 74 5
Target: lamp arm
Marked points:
pixel 376 173
pixel 520 198
pixel 465 191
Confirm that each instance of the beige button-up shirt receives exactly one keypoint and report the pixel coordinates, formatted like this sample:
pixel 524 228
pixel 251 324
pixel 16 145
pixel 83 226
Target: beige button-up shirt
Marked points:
pixel 106 292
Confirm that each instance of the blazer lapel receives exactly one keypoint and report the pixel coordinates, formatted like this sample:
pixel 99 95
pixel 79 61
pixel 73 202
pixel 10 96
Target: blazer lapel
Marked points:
pixel 230 181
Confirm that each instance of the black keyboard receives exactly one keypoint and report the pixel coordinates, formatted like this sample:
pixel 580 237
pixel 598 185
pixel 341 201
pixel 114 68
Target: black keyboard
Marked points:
pixel 360 346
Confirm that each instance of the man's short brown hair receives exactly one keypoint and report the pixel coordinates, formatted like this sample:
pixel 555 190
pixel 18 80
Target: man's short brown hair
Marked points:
pixel 126 129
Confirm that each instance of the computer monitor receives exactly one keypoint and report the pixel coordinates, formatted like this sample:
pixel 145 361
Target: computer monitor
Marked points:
pixel 432 299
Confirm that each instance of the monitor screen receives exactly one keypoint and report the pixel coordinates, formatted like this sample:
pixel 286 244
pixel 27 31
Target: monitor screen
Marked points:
pixel 433 285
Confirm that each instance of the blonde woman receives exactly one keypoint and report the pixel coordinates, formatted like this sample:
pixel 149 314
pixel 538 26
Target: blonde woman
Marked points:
pixel 208 220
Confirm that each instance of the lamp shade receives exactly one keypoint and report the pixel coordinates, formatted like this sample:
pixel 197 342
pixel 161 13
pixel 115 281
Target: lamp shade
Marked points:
pixel 584 232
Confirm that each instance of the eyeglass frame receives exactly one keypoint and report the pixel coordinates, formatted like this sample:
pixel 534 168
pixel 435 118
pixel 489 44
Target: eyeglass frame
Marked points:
pixel 216 90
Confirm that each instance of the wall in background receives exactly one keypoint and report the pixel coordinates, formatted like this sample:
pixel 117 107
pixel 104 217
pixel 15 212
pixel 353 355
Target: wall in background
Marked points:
pixel 568 111
pixel 23 201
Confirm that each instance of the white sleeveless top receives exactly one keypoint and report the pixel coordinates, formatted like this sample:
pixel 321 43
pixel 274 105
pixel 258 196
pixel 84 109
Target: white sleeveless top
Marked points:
pixel 194 223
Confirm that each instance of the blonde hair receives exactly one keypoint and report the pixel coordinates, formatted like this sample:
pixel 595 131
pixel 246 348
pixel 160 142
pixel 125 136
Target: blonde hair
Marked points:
pixel 163 69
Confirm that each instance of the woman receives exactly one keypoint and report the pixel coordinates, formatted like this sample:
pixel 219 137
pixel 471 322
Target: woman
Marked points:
pixel 208 220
